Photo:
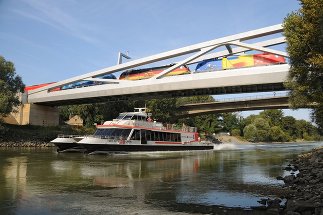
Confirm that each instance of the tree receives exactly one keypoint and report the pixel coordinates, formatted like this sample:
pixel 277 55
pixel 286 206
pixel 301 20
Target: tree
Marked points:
pixel 250 132
pixel 163 110
pixel 263 129
pixel 277 134
pixel 258 130
pixel 10 85
pixel 230 121
pixel 273 116
pixel 288 124
pixel 305 130
pixel 304 34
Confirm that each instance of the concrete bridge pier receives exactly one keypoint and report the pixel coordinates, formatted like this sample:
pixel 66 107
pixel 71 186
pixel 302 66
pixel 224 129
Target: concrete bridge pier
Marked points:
pixel 34 114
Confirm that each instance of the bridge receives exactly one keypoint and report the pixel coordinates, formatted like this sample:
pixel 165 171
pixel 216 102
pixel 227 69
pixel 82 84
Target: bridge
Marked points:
pixel 264 78
pixel 278 101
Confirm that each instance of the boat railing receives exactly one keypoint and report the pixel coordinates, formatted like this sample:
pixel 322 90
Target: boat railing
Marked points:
pixel 113 138
pixel 154 124
pixel 69 136
pixel 189 129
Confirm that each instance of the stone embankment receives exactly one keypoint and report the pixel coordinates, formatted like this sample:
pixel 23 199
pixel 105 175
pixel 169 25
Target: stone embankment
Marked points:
pixel 9 144
pixel 305 184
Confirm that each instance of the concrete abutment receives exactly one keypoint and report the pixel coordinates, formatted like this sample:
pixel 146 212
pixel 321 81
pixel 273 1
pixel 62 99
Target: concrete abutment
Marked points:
pixel 34 114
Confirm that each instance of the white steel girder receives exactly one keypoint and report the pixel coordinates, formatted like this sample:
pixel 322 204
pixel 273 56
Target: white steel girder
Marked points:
pixel 201 48
pixel 267 43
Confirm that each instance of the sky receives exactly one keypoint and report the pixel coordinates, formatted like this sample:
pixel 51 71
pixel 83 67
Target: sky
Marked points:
pixel 52 40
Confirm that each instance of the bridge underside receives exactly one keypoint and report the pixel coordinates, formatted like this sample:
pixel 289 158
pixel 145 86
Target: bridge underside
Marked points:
pixel 172 94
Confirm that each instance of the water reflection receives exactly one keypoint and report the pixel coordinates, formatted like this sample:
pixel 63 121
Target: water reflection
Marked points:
pixel 44 182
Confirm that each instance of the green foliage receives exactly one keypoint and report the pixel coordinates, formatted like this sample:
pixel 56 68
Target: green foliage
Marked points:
pixel 263 129
pixel 250 119
pixel 164 110
pixel 272 125
pixel 194 100
pixel 250 133
pixel 10 85
pixel 111 110
pixel 304 34
pixel 88 112
pixel 317 116
pixel 305 130
pixel 258 131
pixel 235 132
pixel 273 116
pixel 230 121
pixel 208 123
pixel 277 134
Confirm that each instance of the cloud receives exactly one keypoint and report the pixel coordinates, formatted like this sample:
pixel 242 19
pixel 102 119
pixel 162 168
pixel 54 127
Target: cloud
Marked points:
pixel 51 13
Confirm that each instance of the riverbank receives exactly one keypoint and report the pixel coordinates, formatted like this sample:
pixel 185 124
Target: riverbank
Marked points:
pixel 232 139
pixel 35 136
pixel 305 184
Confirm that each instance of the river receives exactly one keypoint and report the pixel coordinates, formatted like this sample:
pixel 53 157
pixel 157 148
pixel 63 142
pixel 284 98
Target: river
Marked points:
pixel 231 178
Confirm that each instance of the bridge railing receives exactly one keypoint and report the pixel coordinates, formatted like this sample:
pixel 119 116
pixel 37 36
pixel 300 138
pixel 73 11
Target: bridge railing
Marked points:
pixel 245 98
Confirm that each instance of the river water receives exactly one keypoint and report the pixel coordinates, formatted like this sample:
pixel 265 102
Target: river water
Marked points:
pixel 231 179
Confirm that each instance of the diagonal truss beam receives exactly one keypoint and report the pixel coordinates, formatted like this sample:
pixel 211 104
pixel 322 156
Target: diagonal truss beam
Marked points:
pixel 267 43
pixel 259 48
pixel 167 55
pixel 202 52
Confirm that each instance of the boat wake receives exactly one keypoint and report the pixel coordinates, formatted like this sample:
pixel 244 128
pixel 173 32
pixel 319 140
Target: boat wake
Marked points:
pixel 233 146
pixel 226 146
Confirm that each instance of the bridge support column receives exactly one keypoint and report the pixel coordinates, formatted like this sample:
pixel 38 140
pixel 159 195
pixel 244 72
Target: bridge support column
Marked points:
pixel 39 115
pixel 32 114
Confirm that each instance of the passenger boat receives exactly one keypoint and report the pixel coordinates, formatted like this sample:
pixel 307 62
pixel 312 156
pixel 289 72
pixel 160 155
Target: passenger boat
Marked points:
pixel 135 132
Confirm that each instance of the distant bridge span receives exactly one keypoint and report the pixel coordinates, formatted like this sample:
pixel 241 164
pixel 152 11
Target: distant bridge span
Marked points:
pixel 274 102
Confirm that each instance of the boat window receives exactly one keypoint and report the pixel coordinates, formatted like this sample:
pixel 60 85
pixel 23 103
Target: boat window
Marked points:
pixel 128 117
pixel 138 117
pixel 163 136
pixel 168 137
pixel 113 133
pixel 120 116
pixel 135 135
pixel 175 137
pixel 142 118
pixel 99 132
pixel 157 136
pixel 148 135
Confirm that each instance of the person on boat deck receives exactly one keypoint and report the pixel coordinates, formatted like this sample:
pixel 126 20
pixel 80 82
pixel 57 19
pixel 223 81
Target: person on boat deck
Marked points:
pixel 122 139
pixel 149 119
